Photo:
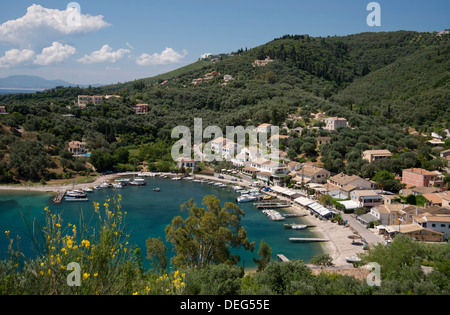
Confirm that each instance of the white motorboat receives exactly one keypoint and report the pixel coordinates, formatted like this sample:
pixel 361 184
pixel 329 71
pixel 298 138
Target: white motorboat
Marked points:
pixel 138 182
pixel 105 185
pixel 117 185
pixel 157 189
pixel 75 193
pixel 353 259
pixel 246 198
pixel 176 178
pixel 299 227
pixel 87 189
pixel 273 215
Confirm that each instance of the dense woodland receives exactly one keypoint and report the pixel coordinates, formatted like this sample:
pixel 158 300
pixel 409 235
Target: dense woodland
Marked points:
pixel 383 83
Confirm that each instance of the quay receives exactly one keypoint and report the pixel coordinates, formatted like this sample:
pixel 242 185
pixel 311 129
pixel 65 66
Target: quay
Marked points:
pixel 282 258
pixel 294 215
pixel 263 205
pixel 59 197
pixel 308 240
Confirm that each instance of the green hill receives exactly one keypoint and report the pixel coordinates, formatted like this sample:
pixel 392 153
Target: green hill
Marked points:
pixel 381 82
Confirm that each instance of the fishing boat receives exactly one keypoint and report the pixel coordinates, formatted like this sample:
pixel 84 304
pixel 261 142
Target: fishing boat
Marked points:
pixel 222 186
pixel 353 259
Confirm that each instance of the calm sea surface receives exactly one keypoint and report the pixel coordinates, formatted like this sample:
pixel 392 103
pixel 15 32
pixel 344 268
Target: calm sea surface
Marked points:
pixel 150 212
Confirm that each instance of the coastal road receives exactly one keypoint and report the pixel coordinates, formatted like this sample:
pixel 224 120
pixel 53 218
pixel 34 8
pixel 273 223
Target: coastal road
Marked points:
pixel 371 238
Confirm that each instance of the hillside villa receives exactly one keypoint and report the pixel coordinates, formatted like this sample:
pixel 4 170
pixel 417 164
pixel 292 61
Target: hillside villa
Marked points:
pixel 84 100
pixel 77 148
pixel 262 63
pixel 3 110
pixel 374 155
pixel 140 109
pixel 264 128
pixel 333 123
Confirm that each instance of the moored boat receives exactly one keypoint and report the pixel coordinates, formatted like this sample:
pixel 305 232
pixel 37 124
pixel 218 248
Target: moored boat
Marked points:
pixel 246 198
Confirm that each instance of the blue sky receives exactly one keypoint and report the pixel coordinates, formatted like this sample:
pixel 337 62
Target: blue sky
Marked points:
pixel 126 40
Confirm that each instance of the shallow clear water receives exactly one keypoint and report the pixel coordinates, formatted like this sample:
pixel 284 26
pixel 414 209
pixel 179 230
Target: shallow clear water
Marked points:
pixel 150 212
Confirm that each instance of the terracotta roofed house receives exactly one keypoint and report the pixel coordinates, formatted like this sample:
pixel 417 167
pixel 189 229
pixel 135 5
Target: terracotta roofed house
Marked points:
pixel 311 174
pixel 140 109
pixel 77 148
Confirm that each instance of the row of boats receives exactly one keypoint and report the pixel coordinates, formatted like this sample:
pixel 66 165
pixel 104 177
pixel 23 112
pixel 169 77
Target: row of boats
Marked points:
pixel 249 195
pixel 81 194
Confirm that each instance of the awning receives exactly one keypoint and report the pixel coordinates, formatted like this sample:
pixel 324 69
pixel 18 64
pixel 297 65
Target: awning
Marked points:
pixel 278 189
pixel 350 204
pixel 304 201
pixel 319 209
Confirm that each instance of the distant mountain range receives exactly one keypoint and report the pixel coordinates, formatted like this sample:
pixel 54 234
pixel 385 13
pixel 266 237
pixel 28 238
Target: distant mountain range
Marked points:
pixel 26 82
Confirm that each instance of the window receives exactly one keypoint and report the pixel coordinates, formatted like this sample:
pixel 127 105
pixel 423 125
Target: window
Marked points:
pixel 433 225
pixel 443 225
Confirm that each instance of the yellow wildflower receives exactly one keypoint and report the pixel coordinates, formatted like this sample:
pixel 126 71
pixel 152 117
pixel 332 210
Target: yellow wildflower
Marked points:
pixel 86 275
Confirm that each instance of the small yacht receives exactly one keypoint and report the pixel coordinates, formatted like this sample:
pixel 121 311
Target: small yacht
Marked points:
pixel 246 198
pixel 138 182
pixel 117 185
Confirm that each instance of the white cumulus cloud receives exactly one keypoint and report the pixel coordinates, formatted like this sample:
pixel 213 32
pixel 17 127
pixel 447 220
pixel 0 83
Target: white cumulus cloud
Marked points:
pixel 105 54
pixel 40 24
pixel 55 54
pixel 16 57
pixel 168 56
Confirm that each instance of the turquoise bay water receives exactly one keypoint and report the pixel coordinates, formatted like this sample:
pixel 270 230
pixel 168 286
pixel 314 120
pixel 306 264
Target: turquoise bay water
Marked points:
pixel 150 212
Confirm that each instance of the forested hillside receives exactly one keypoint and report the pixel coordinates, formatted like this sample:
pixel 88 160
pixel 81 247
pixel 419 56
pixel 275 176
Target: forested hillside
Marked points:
pixel 382 83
